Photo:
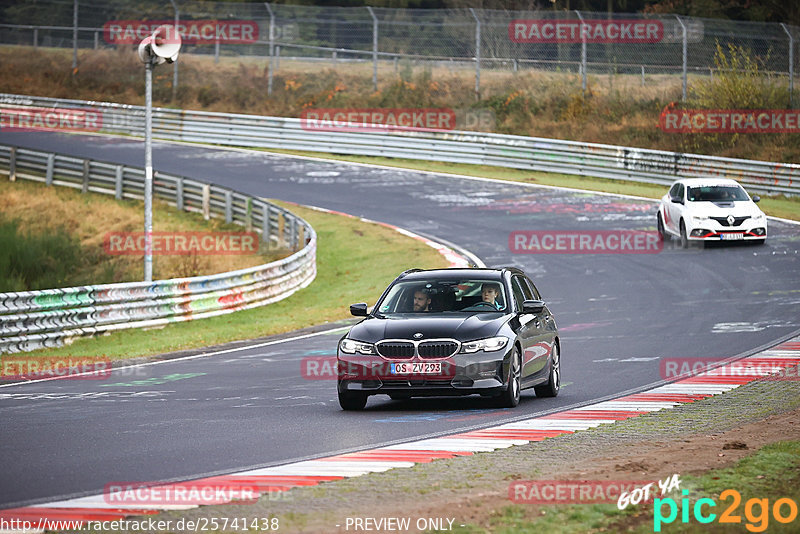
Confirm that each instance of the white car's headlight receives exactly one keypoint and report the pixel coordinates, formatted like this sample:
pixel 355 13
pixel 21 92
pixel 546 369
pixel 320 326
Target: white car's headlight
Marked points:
pixel 489 344
pixel 699 218
pixel 351 346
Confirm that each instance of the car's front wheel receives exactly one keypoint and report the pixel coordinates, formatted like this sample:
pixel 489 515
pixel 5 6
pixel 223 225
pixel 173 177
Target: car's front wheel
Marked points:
pixel 350 400
pixel 684 239
pixel 510 397
pixel 662 234
pixel 553 385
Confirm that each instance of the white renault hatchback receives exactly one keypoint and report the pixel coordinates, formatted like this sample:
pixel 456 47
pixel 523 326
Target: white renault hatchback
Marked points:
pixel 702 209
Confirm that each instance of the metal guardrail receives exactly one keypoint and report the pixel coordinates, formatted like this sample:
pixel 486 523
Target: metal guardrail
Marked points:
pixel 35 319
pixel 541 154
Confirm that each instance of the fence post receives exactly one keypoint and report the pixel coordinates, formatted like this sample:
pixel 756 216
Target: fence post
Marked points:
pixel 791 65
pixel 118 182
pixel 74 36
pixel 583 54
pixel 216 51
pixel 374 49
pixel 51 162
pixel 36 37
pixel 685 57
pixel 96 40
pixel 85 186
pixel 248 215
pixel 477 54
pixel 179 202
pixel 642 75
pixel 206 201
pixel 271 67
pixel 12 165
pixel 265 224
pixel 228 206
pixel 175 64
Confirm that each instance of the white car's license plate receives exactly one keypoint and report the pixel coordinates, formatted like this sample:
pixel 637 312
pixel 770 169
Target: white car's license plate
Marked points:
pixel 731 237
pixel 416 368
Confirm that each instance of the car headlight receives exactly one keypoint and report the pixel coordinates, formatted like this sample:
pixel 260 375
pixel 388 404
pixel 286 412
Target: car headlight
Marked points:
pixel 760 217
pixel 351 346
pixel 489 344
pixel 699 218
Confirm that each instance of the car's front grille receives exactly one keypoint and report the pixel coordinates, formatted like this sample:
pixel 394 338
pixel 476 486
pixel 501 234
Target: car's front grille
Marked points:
pixel 399 350
pixel 737 221
pixel 437 349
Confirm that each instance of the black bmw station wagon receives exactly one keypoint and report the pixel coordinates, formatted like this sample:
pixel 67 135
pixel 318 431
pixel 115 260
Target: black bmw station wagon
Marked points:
pixel 451 332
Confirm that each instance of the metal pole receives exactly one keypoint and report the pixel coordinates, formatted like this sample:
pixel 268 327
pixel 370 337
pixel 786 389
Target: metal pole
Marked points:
pixel 74 36
pixel 374 49
pixel 791 65
pixel 271 68
pixel 685 57
pixel 175 65
pixel 477 54
pixel 583 53
pixel 148 174
pixel 216 51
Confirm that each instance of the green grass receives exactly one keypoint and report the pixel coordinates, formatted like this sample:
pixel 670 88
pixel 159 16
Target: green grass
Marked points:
pixel 772 473
pixel 777 206
pixel 355 262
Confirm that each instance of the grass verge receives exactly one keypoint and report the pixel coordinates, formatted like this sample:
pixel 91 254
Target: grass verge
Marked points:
pixel 776 206
pixel 770 474
pixel 355 262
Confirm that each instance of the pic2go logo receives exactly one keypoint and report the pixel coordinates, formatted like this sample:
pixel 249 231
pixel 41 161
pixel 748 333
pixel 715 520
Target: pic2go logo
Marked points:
pixel 756 511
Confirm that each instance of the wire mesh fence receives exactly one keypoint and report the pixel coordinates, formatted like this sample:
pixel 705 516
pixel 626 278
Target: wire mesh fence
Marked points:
pixel 386 39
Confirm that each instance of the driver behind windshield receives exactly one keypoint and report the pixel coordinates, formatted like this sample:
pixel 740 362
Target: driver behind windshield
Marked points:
pixel 422 301
pixel 489 293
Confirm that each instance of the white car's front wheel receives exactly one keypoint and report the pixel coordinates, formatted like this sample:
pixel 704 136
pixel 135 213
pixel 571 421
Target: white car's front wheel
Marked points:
pixel 684 239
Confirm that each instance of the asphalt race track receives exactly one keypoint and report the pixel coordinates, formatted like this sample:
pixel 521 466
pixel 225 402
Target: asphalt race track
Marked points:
pixel 618 314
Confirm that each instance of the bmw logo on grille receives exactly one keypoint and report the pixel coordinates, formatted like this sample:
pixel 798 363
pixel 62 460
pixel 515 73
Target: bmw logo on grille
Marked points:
pixel 730 220
pixel 418 335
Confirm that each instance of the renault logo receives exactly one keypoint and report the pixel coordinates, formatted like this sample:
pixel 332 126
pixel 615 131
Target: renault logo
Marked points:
pixel 730 220
pixel 418 335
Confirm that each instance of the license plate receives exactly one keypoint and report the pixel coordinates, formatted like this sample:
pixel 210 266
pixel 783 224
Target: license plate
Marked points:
pixel 731 237
pixel 416 368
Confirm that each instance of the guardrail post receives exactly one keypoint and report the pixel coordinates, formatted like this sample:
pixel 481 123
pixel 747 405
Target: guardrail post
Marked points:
pixel 179 193
pixel 248 215
pixel 85 185
pixel 477 54
pixel 228 206
pixel 216 51
pixel 96 40
pixel 374 49
pixel 294 234
pixel 36 37
pixel 51 163
pixel 271 67
pixel 277 57
pixel 791 65
pixel 118 182
pixel 685 58
pixel 12 165
pixel 265 224
pixel 301 238
pixel 281 228
pixel 642 75
pixel 583 54
pixel 206 202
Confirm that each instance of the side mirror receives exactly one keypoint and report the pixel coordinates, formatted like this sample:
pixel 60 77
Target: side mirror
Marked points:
pixel 676 200
pixel 359 310
pixel 533 306
pixel 756 198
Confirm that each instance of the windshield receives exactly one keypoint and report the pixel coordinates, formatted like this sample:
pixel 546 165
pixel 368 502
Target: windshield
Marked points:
pixel 444 296
pixel 717 193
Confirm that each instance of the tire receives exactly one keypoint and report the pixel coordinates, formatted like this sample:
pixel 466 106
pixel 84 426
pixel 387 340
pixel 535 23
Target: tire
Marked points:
pixel 351 401
pixel 553 385
pixel 684 239
pixel 662 234
pixel 510 397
